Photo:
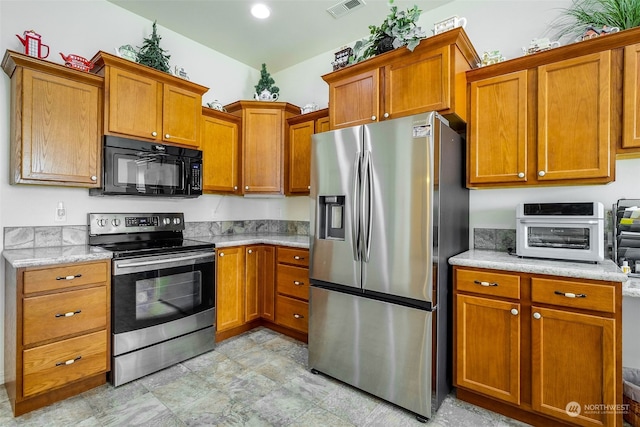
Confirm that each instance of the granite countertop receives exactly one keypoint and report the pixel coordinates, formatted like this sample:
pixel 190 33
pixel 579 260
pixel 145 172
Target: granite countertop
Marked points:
pixel 35 257
pixel 605 270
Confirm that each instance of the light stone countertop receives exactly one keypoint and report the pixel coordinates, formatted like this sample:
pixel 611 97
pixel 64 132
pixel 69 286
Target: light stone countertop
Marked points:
pixel 605 270
pixel 35 257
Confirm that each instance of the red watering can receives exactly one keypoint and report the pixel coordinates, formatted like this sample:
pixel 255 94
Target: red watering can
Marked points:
pixel 33 45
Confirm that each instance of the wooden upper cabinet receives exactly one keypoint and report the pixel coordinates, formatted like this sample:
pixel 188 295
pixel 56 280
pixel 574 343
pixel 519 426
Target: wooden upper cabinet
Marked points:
pixel 56 132
pixel 263 135
pixel 298 150
pixel 149 104
pixel 401 83
pixel 498 129
pixel 631 97
pixel 574 119
pixel 220 145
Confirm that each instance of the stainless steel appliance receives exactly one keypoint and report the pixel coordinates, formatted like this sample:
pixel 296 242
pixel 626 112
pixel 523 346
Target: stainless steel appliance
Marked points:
pixel 388 208
pixel 162 291
pixel 568 231
pixel 139 168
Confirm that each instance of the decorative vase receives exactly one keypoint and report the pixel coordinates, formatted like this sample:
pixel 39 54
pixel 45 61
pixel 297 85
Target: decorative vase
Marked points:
pixel 265 95
pixel 384 45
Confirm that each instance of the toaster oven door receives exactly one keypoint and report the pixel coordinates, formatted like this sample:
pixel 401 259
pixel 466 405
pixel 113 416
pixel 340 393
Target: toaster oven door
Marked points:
pixel 580 240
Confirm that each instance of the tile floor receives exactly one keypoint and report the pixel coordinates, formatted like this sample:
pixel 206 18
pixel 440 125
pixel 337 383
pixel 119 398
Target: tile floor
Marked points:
pixel 259 378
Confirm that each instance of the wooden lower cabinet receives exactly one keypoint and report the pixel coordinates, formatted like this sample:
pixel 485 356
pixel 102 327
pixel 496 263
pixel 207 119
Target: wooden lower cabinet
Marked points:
pixel 230 288
pixel 292 289
pixel 260 282
pixel 57 332
pixel 549 354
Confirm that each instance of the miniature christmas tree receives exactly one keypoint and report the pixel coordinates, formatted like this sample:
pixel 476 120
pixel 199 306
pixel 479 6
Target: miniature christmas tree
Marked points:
pixel 266 82
pixel 151 54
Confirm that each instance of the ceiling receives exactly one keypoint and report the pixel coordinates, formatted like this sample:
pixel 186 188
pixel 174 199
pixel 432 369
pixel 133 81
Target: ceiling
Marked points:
pixel 297 29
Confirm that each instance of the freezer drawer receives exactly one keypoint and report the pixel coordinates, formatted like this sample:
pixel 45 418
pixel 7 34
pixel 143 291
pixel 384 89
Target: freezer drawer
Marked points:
pixel 379 347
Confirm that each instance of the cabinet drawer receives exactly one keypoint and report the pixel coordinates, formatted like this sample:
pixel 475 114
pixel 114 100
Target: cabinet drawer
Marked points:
pixel 567 293
pixel 292 313
pixel 44 316
pixel 293 256
pixel 45 367
pixel 488 283
pixel 63 277
pixel 293 281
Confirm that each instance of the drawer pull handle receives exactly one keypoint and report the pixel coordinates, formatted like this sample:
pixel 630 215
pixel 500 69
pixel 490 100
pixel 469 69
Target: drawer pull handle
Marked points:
pixel 69 314
pixel 570 295
pixel 478 282
pixel 68 277
pixel 297 258
pixel 69 362
pixel 298 283
pixel 298 316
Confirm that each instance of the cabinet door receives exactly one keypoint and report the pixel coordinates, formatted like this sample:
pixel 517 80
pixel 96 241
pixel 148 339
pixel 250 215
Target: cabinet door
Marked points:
pixel 262 150
pixel 417 84
pixel 322 125
pixel 230 273
pixel 61 133
pixel 299 157
pixel 268 282
pixel 135 106
pixel 498 130
pixel 488 347
pixel 181 112
pixel 220 145
pixel 355 100
pixel 253 272
pixel 631 108
pixel 574 366
pixel 574 118
pixel 260 280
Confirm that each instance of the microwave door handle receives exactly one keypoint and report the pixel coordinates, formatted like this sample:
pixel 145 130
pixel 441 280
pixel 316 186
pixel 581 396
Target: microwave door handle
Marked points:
pixel 140 182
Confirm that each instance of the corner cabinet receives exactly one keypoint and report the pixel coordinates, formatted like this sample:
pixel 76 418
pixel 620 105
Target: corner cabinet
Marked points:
pixel 45 95
pixel 516 339
pixel 220 145
pixel 263 136
pixel 401 83
pixel 631 96
pixel 57 332
pixel 145 103
pixel 298 150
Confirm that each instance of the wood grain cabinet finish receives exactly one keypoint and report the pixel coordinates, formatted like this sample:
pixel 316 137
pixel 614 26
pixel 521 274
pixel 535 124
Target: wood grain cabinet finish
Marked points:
pixel 401 83
pixel 301 129
pixel 56 132
pixel 631 96
pixel 263 139
pixel 57 338
pixel 260 282
pixel 292 288
pixel 220 145
pixel 148 104
pixel 230 288
pixel 529 355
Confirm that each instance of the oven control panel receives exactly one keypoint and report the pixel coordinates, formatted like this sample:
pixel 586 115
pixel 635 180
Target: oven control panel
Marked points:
pixel 116 223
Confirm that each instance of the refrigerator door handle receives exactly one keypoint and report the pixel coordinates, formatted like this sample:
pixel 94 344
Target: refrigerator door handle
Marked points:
pixel 366 202
pixel 355 229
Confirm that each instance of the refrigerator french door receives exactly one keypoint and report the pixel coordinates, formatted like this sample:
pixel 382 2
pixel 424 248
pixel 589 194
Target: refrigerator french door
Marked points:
pixel 378 300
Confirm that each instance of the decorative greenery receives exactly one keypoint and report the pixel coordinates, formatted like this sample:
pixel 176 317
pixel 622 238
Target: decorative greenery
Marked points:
pixel 151 54
pixel 266 82
pixel 581 14
pixel 398 29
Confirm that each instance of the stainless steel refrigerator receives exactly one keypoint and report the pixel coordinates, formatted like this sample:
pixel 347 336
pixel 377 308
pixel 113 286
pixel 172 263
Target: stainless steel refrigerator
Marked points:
pixel 388 208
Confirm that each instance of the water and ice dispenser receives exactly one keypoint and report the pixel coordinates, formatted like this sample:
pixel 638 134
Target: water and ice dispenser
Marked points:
pixel 331 215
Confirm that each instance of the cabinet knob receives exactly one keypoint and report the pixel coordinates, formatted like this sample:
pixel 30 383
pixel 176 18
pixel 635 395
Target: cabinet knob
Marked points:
pixel 298 283
pixel 69 277
pixel 373 118
pixel 246 187
pixel 537 315
pixel 235 188
pixel 298 316
pixel 386 115
pixel 167 136
pixel 68 362
pixel 308 187
pixel 542 173
pixel 221 253
pixel 94 178
pixel 483 283
pixel 514 311
pixel 297 258
pixel 154 133
pixel 250 251
pixel 68 314
pixel 520 174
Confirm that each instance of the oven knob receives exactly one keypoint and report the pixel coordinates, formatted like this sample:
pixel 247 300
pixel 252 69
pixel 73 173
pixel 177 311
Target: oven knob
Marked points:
pixel 115 222
pixel 101 222
pixel 176 221
pixel 166 221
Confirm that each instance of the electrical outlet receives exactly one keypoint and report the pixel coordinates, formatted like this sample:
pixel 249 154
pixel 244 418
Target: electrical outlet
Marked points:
pixel 61 213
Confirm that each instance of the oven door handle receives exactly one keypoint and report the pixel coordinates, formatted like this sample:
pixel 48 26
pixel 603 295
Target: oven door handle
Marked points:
pixel 164 261
pixel 558 223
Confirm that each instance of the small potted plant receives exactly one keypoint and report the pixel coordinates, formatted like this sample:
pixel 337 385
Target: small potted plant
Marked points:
pixel 265 90
pixel 598 16
pixel 398 29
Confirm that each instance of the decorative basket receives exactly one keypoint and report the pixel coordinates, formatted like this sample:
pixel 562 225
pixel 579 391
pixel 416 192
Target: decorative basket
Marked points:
pixel 632 415
pixel 631 395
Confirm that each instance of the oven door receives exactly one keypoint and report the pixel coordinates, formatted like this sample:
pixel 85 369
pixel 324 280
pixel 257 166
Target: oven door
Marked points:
pixel 148 292
pixel 561 238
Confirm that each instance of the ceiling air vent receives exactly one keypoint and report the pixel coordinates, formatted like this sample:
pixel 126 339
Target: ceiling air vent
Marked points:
pixel 344 7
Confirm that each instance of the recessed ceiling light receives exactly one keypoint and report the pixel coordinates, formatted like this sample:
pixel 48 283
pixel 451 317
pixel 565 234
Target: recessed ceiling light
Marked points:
pixel 260 11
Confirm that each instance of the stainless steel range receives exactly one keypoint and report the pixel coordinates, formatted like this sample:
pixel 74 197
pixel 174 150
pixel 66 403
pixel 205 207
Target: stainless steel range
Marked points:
pixel 162 291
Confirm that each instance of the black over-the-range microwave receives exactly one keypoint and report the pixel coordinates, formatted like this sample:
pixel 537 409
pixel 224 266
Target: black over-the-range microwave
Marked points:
pixel 139 168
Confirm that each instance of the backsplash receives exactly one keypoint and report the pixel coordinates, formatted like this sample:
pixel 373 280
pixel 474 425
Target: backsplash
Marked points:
pixel 69 235
pixel 496 239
